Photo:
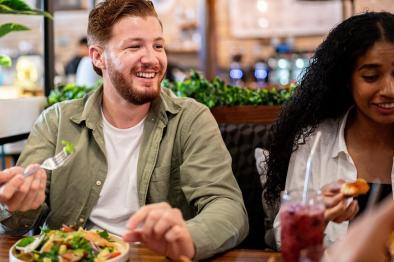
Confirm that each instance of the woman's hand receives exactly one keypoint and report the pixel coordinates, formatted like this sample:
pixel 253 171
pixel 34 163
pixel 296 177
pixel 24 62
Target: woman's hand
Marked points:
pixel 338 208
pixel 367 238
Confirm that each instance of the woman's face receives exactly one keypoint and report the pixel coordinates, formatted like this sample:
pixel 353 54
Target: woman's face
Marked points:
pixel 373 84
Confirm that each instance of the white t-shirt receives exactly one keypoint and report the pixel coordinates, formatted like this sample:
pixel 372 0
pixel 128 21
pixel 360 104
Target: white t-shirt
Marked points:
pixel 331 162
pixel 119 196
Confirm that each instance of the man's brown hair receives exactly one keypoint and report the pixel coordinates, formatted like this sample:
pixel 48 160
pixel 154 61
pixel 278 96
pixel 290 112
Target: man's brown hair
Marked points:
pixel 107 13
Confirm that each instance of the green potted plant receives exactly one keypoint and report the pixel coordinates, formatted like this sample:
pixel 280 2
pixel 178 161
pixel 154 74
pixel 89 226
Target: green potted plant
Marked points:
pixel 15 7
pixel 68 92
pixel 24 110
pixel 229 104
pixel 233 104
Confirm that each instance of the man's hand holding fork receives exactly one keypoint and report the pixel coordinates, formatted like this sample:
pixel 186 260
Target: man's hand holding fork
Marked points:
pixel 24 189
pixel 22 193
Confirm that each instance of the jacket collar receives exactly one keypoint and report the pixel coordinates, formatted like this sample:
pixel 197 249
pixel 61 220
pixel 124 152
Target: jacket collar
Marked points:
pixel 91 111
pixel 164 105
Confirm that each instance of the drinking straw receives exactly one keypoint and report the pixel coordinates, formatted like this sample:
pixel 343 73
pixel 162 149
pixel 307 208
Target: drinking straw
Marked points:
pixel 308 166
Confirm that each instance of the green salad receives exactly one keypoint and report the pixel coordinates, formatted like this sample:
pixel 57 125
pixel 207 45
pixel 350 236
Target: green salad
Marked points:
pixel 67 244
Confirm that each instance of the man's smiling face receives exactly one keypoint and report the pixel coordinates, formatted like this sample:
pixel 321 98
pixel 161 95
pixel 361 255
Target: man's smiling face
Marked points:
pixel 135 59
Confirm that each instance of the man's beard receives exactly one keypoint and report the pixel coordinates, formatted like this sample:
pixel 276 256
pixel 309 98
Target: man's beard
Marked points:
pixel 128 92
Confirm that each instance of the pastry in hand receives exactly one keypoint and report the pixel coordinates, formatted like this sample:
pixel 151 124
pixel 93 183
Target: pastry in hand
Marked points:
pixel 353 189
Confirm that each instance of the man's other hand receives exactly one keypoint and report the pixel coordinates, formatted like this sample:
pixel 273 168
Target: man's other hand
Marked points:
pixel 162 229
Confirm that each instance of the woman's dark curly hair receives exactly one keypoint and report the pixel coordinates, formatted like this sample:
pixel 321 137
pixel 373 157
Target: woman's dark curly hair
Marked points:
pixel 324 91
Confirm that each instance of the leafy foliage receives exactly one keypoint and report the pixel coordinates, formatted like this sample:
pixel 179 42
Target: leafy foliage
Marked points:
pixel 5 61
pixel 217 93
pixel 211 93
pixel 68 92
pixel 15 7
pixel 11 27
pixel 19 7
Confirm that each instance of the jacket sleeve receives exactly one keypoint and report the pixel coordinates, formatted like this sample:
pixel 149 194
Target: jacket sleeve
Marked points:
pixel 40 145
pixel 210 187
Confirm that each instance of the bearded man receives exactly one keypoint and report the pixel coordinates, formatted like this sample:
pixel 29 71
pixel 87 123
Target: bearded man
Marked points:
pixel 148 166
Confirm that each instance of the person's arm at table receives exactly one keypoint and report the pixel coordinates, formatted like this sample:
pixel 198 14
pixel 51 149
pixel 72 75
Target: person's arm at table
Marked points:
pixel 20 195
pixel 39 146
pixel 367 239
pixel 209 185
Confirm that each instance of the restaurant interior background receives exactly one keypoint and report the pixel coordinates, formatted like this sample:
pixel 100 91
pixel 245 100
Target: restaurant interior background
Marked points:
pixel 250 43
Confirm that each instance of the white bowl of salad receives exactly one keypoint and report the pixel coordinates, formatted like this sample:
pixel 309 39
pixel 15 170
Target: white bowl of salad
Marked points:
pixel 69 245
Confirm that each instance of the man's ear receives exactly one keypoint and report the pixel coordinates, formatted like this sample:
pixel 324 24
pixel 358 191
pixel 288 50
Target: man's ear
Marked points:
pixel 96 53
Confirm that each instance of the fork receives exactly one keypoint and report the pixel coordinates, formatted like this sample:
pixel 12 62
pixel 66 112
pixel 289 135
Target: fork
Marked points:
pixel 50 163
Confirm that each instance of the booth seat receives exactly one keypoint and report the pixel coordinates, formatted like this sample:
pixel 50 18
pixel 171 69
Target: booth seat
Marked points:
pixel 241 141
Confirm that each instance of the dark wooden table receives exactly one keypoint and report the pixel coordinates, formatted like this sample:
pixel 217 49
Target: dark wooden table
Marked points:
pixel 140 253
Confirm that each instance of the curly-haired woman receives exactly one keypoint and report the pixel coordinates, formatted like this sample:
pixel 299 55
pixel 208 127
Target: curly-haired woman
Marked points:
pixel 347 93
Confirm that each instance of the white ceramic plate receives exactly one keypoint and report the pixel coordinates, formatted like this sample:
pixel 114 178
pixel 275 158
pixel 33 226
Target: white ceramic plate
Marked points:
pixel 123 247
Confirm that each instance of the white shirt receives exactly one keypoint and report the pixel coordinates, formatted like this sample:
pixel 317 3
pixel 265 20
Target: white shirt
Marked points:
pixel 119 197
pixel 330 163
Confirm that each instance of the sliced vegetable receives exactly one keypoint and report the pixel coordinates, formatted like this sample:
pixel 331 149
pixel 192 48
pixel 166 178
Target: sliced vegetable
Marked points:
pixel 30 244
pixel 25 241
pixel 66 228
pixel 113 254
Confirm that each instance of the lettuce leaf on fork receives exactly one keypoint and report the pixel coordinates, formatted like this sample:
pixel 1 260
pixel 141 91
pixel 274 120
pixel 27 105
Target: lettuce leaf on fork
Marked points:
pixel 68 147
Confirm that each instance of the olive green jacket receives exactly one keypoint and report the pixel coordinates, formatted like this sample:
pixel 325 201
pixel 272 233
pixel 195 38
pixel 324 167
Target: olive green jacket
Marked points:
pixel 183 161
